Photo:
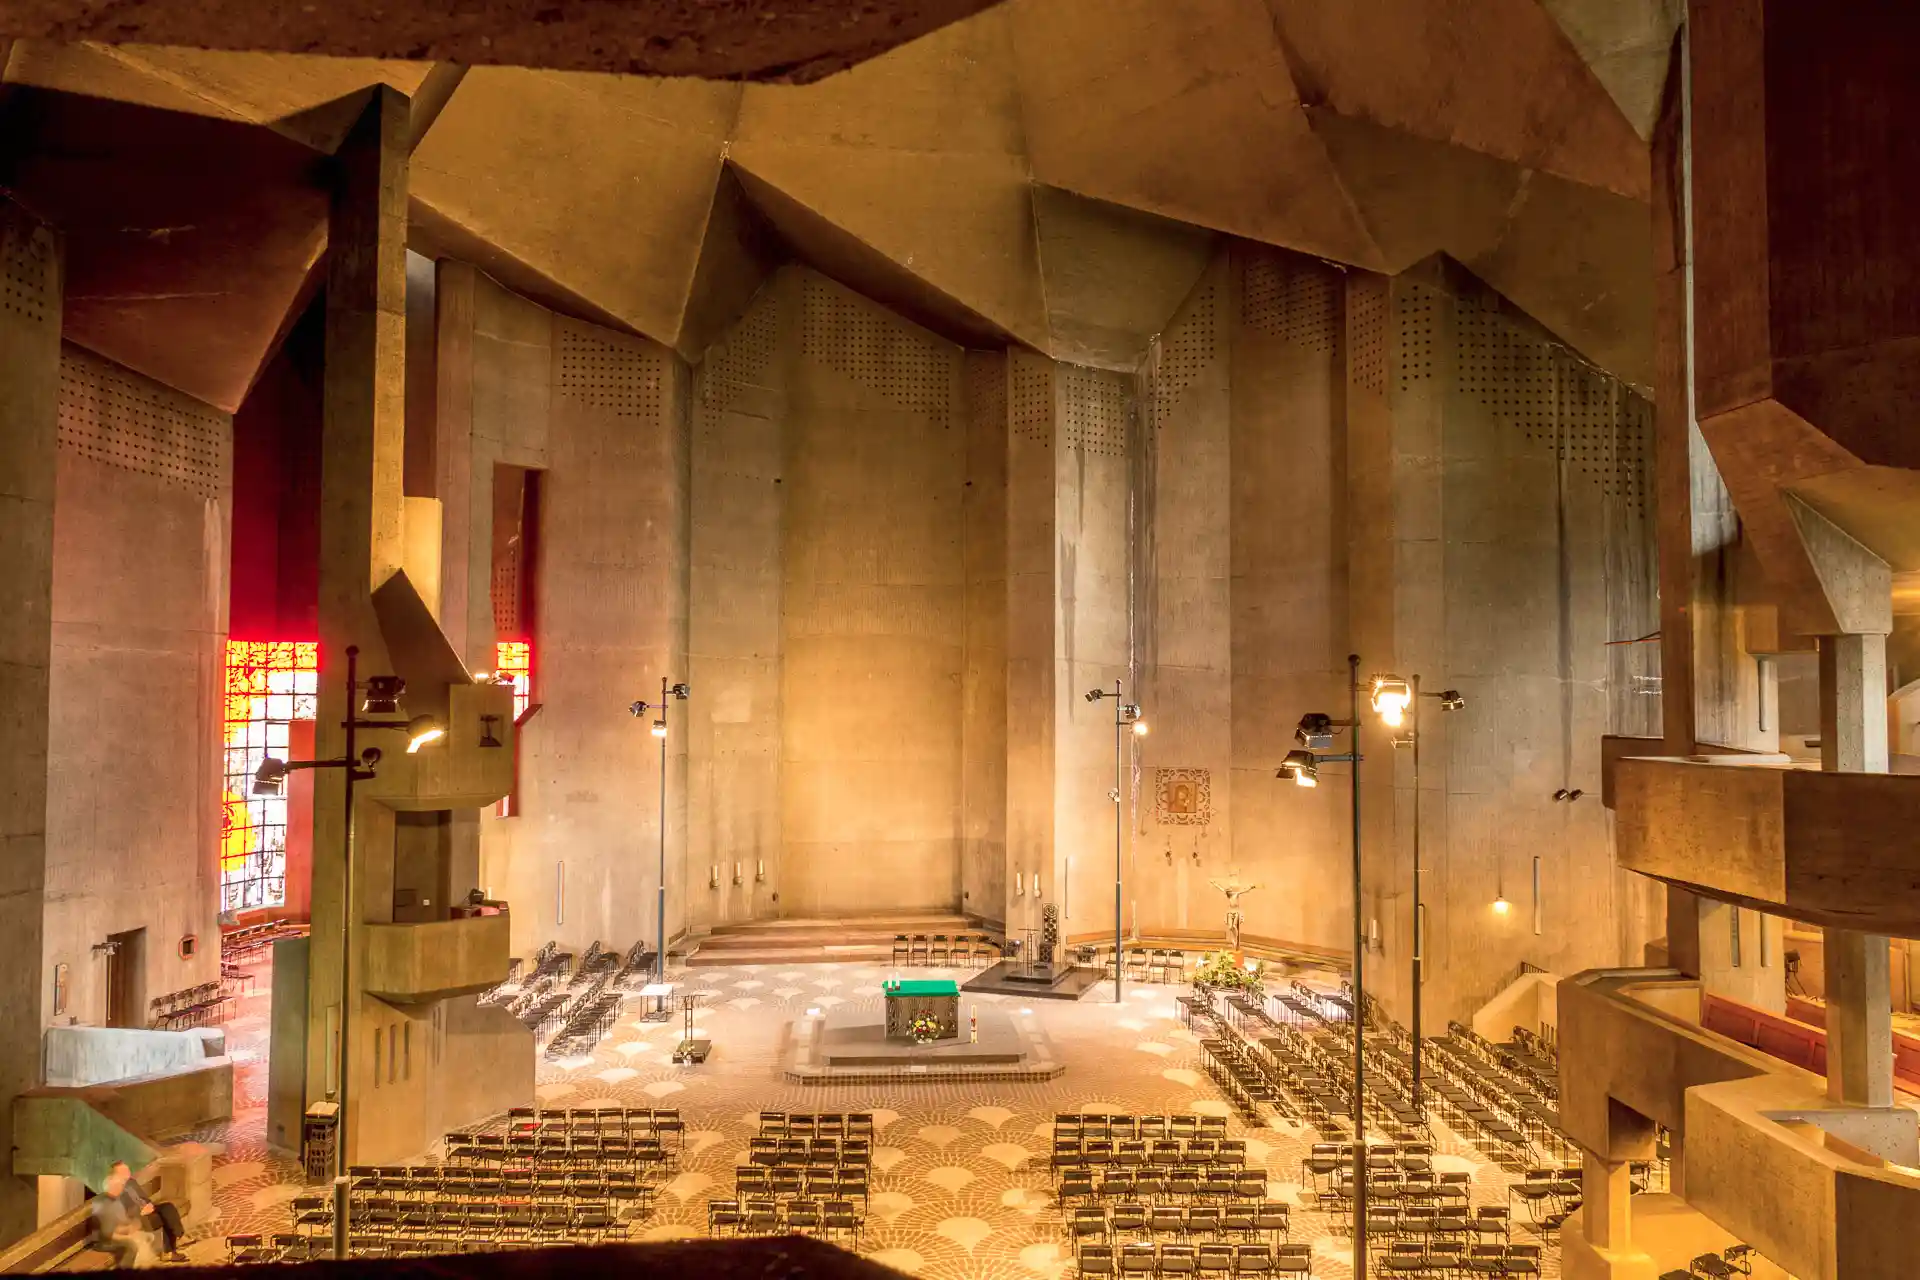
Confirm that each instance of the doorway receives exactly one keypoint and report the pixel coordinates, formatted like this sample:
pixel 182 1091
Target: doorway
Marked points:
pixel 127 978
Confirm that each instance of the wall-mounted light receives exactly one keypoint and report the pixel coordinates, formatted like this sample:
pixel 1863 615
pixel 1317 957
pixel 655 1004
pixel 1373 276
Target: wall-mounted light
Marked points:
pixel 1019 886
pixel 1501 906
pixel 736 873
pixel 713 876
pixel 424 729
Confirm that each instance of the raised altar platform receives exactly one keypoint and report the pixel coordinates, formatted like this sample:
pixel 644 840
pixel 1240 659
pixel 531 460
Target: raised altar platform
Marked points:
pixel 850 1045
pixel 1040 982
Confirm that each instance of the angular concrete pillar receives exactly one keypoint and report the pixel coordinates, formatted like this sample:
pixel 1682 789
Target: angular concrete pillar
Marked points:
pixel 362 536
pixel 1607 1198
pixel 1859 1019
pixel 1853 703
pixel 30 259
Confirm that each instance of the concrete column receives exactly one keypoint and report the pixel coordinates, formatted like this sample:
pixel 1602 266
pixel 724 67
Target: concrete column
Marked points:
pixel 1853 703
pixel 362 528
pixel 1607 1196
pixel 29 413
pixel 1859 1019
pixel 1853 739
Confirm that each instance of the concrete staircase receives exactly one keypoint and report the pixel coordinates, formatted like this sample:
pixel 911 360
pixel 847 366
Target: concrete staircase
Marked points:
pixel 847 939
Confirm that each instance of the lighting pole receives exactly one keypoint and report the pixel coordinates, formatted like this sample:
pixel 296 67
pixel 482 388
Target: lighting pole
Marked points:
pixel 668 693
pixel 383 696
pixel 1125 714
pixel 1316 730
pixel 1398 700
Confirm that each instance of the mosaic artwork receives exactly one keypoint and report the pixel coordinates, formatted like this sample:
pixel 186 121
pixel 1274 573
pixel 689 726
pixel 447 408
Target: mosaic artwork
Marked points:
pixel 1182 797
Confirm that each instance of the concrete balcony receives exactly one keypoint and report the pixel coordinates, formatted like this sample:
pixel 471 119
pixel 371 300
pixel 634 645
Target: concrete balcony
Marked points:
pixel 1829 848
pixel 1760 1154
pixel 421 963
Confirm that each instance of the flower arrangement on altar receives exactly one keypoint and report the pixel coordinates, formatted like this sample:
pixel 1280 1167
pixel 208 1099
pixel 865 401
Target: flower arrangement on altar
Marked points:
pixel 924 1029
pixel 1221 971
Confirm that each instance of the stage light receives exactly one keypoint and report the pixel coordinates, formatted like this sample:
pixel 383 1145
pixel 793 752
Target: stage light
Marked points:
pixel 1301 767
pixel 1501 906
pixel 1094 695
pixel 681 691
pixel 383 695
pixel 659 728
pixel 1315 731
pixel 1139 728
pixel 1391 697
pixel 424 729
pixel 1450 700
pixel 270 779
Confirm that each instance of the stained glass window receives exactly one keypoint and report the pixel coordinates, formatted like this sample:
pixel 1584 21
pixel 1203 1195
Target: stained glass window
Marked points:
pixel 269 685
pixel 515 658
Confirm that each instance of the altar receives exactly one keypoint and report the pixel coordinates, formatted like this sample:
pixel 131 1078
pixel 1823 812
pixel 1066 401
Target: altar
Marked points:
pixel 907 999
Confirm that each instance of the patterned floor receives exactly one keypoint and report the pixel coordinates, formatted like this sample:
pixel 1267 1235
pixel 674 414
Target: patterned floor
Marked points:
pixel 961 1188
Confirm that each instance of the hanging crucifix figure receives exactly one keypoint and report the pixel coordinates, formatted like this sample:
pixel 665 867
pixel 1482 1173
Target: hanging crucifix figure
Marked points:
pixel 1235 891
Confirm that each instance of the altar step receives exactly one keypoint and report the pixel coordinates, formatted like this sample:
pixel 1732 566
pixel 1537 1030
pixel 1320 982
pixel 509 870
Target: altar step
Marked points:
pixel 848 939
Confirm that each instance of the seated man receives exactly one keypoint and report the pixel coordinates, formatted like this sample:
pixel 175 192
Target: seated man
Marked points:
pixel 123 1209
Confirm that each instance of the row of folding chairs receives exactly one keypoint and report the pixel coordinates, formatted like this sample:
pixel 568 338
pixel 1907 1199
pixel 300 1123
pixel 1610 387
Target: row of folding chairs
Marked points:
pixel 771 1150
pixel 1448 1259
pixel 578 1151
pixel 1734 1260
pixel 208 1004
pixel 1119 1221
pixel 813 1184
pixel 1195 1260
pixel 940 950
pixel 235 943
pixel 1133 1152
pixel 826 1218
pixel 1430 1222
pixel 381 1216
pixel 1100 1125
pixel 822 1124
pixel 1242 1079
pixel 634 1122
pixel 1185 1183
pixel 425 1182
pixel 1329 1159
pixel 1446 1190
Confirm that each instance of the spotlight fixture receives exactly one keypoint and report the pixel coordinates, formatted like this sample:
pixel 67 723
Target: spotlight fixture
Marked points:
pixel 1501 906
pixel 270 779
pixel 1130 714
pixel 1139 728
pixel 1391 698
pixel 1301 767
pixel 1094 695
pixel 383 695
pixel 424 729
pixel 1315 732
pixel 659 728
pixel 681 691
pixel 1450 700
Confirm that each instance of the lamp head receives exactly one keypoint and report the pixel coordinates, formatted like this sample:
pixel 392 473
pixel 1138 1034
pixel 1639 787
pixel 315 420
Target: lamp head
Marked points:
pixel 1139 728
pixel 1094 695
pixel 659 728
pixel 1450 700
pixel 383 695
pixel 1501 906
pixel 638 709
pixel 1302 767
pixel 1315 731
pixel 1391 698
pixel 424 729
pixel 270 779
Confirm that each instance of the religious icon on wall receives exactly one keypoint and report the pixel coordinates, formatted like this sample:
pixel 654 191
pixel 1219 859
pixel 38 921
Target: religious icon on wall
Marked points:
pixel 1183 797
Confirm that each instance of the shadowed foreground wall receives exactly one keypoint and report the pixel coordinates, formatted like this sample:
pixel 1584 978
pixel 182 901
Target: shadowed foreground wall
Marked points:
pixel 139 626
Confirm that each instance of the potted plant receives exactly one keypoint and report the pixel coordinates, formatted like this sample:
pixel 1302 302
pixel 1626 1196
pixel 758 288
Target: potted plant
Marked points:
pixel 924 1029
pixel 1220 971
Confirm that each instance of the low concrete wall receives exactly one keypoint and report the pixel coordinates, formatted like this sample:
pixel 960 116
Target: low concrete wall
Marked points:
pixel 1530 1000
pixel 77 1133
pixel 75 1057
pixel 417 963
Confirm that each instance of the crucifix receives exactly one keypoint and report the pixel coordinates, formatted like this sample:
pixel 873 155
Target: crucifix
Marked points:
pixel 1235 891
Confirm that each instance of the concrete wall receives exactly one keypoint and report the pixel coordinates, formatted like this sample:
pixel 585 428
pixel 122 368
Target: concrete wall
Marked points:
pixel 602 417
pixel 983 729
pixel 1512 546
pixel 873 608
pixel 139 623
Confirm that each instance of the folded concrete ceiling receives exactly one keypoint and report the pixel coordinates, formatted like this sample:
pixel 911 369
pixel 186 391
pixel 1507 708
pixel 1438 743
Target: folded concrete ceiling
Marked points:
pixel 1046 172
